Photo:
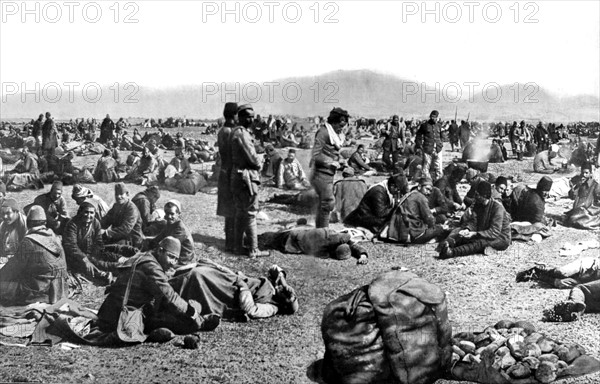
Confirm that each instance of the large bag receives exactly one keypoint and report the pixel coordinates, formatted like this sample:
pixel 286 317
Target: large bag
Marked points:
pixel 130 328
pixel 395 330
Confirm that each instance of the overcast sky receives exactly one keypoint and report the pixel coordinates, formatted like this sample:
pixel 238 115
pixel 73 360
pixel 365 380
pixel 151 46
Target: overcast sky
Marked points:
pixel 555 44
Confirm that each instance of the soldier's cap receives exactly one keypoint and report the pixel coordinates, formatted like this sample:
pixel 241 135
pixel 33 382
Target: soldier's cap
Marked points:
pixel 587 165
pixel 244 107
pixel 337 111
pixel 10 203
pixel 348 172
pixel 342 252
pixel 174 202
pixel 545 184
pixel 484 189
pixel 120 188
pixel 434 113
pixel 56 186
pixel 36 213
pixel 501 180
pixel 170 245
pixel 230 109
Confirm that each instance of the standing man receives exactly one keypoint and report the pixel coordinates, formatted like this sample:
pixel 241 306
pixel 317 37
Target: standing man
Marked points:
pixel 245 178
pixel 225 205
pixel 325 162
pixel 429 141
pixel 393 142
pixel 454 134
pixel 49 136
pixel 36 132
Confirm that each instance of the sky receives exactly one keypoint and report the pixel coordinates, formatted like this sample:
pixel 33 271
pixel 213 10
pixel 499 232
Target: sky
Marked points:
pixel 555 44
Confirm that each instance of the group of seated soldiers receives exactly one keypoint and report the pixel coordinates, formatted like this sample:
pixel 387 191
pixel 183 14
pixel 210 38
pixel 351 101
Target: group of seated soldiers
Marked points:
pixel 41 246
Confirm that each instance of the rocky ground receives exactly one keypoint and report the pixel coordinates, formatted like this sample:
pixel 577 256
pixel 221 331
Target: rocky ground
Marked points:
pixel 285 349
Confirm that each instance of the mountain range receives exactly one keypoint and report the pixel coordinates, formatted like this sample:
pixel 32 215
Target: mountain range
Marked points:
pixel 363 93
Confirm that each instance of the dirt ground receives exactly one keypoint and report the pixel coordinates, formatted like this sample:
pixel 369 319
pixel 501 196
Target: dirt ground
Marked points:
pixel 480 291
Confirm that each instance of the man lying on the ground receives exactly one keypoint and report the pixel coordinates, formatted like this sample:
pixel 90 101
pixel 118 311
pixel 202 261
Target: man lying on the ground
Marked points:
pixel 235 296
pixel 582 276
pixel 486 224
pixel 374 210
pixel 290 173
pixel 348 193
pixel 12 229
pixel 149 288
pixel 55 206
pixel 82 194
pixel 177 229
pixel 122 224
pixel 586 207
pixel 320 242
pixel 38 270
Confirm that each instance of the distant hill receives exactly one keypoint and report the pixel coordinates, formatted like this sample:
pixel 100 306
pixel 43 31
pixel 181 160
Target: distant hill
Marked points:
pixel 361 92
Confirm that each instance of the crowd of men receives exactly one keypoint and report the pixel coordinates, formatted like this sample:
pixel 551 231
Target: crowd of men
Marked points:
pixel 147 260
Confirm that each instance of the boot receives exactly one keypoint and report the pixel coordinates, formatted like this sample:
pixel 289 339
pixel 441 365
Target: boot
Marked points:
pixel 229 236
pixel 322 219
pixel 252 237
pixel 466 250
pixel 239 227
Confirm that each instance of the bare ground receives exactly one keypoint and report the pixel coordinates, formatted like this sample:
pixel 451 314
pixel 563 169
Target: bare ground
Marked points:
pixel 480 291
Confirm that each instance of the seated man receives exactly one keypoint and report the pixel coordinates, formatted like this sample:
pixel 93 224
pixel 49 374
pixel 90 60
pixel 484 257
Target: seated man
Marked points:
pixel 106 169
pixel 55 206
pixel 348 193
pixel 582 276
pixel 290 173
pixel 178 168
pixel 122 224
pixel 473 178
pixel 487 224
pixel 374 210
pixel 12 229
pixel 149 289
pixel 26 173
pixel 437 204
pixel 418 216
pixel 145 202
pixel 502 191
pixel 586 207
pixel 272 162
pixel 146 171
pixel 84 249
pixel 542 162
pixel 319 242
pixel 528 204
pixel 177 229
pixel 38 270
pixel 82 194
pixel 447 185
pixel 359 162
pixel 232 295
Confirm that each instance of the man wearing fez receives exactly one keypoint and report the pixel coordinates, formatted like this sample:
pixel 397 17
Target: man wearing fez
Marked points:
pixel 245 178
pixel 528 204
pixel 225 207
pixel 429 140
pixel 487 224
pixel 325 162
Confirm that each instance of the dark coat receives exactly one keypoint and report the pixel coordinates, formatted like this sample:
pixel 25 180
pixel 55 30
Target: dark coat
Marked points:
pixel 428 138
pixel 324 153
pixel 449 191
pixel 149 287
pixel 373 211
pixel 491 222
pixel 37 272
pixel 125 224
pixel 81 242
pixel 527 205
pixel 418 215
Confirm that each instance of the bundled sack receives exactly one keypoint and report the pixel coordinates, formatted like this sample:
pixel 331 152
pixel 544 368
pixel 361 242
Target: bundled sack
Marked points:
pixel 514 353
pixel 395 330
